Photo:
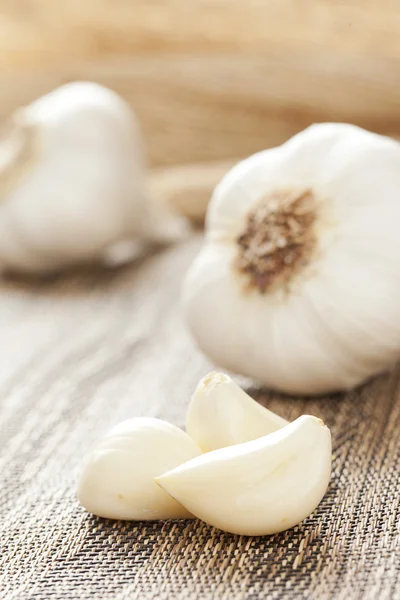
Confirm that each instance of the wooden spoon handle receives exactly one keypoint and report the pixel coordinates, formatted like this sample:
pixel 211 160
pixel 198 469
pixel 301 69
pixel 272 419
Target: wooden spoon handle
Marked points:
pixel 187 189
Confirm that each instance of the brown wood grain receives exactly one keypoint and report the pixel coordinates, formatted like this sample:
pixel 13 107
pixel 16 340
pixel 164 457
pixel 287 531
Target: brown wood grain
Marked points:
pixel 53 31
pixel 196 108
pixel 212 79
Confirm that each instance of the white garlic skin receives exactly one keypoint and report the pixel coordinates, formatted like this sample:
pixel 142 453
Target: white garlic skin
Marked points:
pixel 221 414
pixel 338 322
pixel 71 180
pixel 118 478
pixel 259 487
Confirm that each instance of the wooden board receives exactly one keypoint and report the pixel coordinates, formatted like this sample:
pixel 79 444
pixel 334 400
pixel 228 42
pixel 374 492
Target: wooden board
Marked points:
pixel 54 31
pixel 212 80
pixel 193 108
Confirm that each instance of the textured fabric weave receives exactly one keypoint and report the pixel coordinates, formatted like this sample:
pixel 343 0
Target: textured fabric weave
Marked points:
pixel 80 353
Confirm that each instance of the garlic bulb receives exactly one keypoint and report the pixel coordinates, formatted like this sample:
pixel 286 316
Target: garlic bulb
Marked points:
pixel 118 478
pixel 221 414
pixel 259 487
pixel 298 282
pixel 71 181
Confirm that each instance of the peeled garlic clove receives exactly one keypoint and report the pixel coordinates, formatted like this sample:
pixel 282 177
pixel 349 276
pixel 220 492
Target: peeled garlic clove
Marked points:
pixel 298 282
pixel 118 478
pixel 221 414
pixel 260 487
pixel 71 181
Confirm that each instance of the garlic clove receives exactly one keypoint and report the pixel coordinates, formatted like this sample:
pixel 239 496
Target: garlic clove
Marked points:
pixel 259 487
pixel 297 283
pixel 221 414
pixel 81 188
pixel 118 479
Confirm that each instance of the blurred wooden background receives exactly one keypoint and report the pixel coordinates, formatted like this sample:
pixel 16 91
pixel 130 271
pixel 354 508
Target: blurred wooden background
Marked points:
pixel 212 79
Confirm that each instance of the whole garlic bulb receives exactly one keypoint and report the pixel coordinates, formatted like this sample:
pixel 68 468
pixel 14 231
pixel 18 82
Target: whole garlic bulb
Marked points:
pixel 298 282
pixel 71 181
pixel 118 479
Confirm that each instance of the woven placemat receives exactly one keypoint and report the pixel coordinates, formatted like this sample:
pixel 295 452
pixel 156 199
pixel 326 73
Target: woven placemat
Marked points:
pixel 82 352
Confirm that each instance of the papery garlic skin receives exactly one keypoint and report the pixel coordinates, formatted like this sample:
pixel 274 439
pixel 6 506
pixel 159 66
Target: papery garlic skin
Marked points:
pixel 221 414
pixel 259 487
pixel 71 180
pixel 329 317
pixel 118 479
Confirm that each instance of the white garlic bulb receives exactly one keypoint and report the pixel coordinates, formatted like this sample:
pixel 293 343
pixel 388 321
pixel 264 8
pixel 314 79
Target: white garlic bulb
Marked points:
pixel 118 479
pixel 298 283
pixel 221 414
pixel 259 487
pixel 71 181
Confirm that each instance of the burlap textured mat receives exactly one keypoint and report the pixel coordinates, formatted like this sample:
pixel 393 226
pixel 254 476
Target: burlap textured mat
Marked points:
pixel 83 352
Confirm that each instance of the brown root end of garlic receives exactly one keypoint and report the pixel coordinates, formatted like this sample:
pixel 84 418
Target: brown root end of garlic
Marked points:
pixel 278 240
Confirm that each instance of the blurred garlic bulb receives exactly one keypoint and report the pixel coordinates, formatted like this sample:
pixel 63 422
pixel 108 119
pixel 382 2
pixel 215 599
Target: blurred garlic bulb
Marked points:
pixel 298 283
pixel 259 487
pixel 71 181
pixel 221 414
pixel 118 478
